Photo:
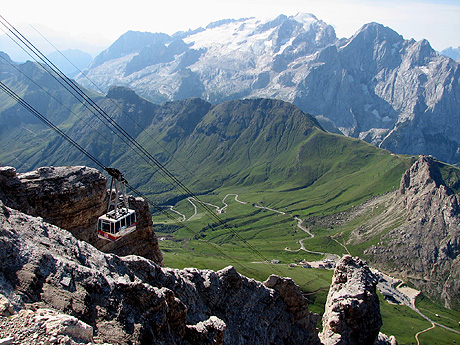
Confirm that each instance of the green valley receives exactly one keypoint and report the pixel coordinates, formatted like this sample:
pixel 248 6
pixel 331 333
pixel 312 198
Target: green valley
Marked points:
pixel 271 188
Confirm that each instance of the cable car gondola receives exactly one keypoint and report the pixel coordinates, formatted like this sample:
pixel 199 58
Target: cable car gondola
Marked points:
pixel 119 220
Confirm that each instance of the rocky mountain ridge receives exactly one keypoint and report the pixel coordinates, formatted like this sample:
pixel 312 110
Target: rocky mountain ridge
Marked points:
pixel 395 93
pixel 131 300
pixel 250 142
pixel 422 243
pixel 453 53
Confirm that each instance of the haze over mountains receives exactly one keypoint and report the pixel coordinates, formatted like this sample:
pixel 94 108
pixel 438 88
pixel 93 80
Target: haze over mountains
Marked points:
pixel 394 93
pixel 453 53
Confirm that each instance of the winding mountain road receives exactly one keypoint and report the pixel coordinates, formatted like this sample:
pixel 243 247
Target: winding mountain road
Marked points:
pixel 220 210
pixel 171 208
pixel 385 286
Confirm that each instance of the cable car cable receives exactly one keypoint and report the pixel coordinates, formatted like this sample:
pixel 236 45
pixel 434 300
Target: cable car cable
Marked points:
pixel 55 73
pixel 13 95
pixel 52 96
pixel 97 110
pixel 95 106
pixel 117 105
pixel 190 194
pixel 37 114
pixel 82 94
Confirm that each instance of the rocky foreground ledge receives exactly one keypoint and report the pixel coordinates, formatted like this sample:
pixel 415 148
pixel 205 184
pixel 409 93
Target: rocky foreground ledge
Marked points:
pixel 55 288
pixel 62 290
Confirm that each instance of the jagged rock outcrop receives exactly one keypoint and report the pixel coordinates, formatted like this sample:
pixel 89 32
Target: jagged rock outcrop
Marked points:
pixel 73 198
pixel 296 303
pixel 352 313
pixel 132 299
pixel 425 249
pixel 69 197
pixel 44 326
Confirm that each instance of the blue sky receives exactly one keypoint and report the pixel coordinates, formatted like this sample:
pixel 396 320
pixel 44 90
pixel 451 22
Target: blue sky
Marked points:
pixel 102 22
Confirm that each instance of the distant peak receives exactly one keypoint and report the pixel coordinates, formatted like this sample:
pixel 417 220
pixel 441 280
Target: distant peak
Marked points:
pixel 225 21
pixel 453 53
pixel 378 31
pixel 142 35
pixel 375 26
pixel 421 52
pixel 5 56
pixel 304 17
pixel 424 172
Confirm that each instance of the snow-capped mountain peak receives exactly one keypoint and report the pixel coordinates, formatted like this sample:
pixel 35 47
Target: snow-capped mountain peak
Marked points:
pixel 253 32
pixel 307 19
pixel 375 85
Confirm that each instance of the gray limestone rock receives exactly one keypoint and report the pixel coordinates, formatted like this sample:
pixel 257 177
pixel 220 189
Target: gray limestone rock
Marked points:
pixel 425 249
pixel 132 300
pixel 73 198
pixel 352 313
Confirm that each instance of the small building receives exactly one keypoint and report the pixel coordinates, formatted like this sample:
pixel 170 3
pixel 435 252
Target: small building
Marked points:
pixel 388 296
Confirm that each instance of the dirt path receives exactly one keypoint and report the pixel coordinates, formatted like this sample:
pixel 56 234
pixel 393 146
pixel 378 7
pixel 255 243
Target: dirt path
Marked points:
pixel 269 209
pixel 341 244
pixel 191 200
pixel 302 246
pixel 425 330
pixel 303 228
pixel 220 210
pixel 171 208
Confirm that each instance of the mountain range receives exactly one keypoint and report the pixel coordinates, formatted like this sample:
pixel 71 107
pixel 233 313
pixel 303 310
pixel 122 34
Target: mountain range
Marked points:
pixel 453 53
pixel 395 93
pixel 269 150
pixel 262 142
pixel 268 147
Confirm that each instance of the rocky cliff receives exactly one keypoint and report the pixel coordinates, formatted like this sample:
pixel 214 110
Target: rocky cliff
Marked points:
pixel 73 198
pixel 425 249
pixel 132 300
